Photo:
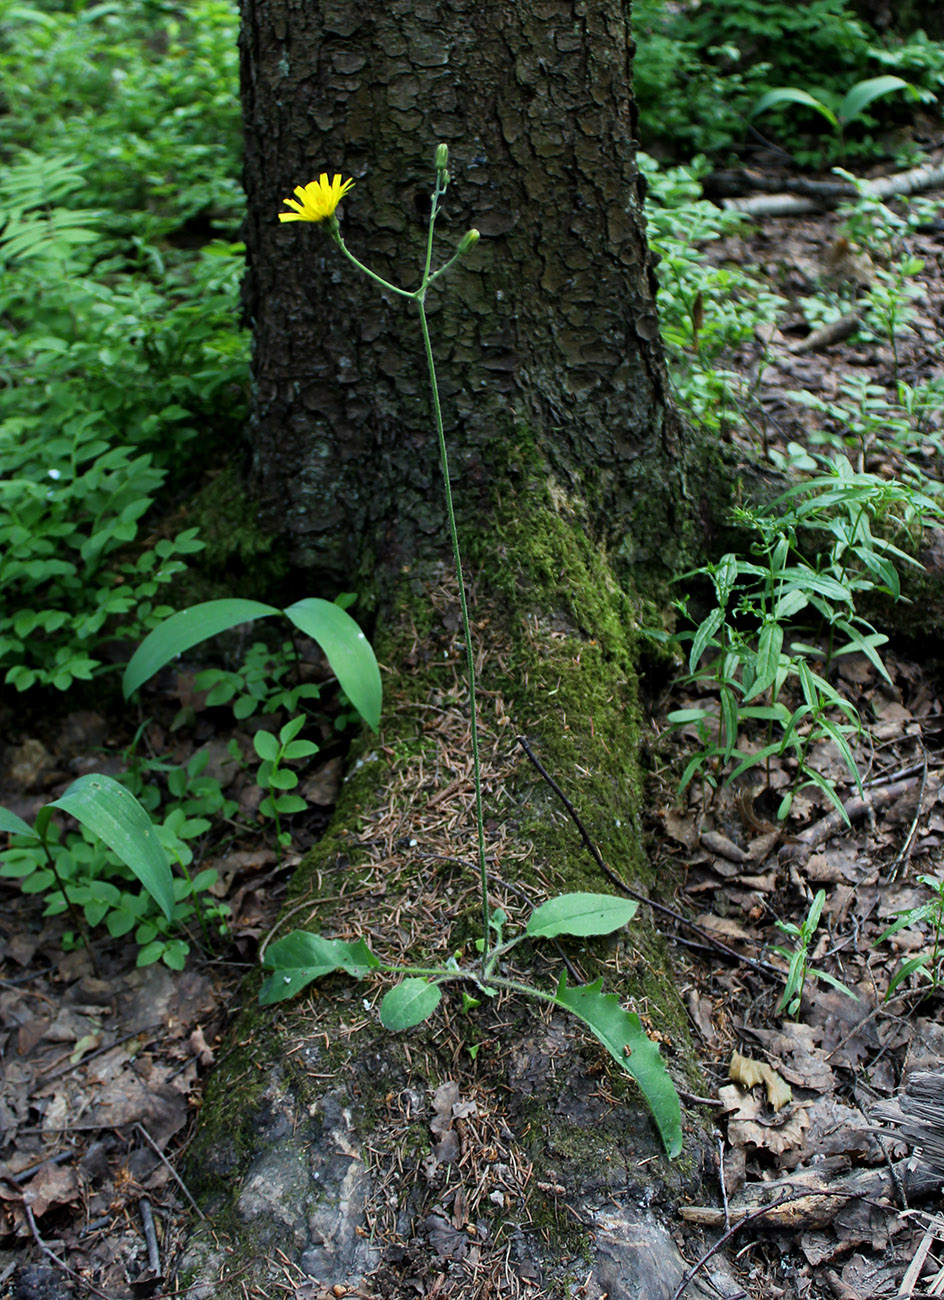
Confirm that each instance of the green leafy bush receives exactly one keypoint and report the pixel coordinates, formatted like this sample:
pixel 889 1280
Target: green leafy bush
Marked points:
pixel 117 346
pixel 701 68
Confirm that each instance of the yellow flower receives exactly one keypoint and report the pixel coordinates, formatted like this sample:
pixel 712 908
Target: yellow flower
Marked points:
pixel 317 200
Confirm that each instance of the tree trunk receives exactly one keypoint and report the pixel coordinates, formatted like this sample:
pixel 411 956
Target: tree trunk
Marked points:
pixel 547 334
pixel 477 1150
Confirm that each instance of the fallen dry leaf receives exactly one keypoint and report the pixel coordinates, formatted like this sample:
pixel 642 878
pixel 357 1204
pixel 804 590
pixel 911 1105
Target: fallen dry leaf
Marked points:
pixel 749 1073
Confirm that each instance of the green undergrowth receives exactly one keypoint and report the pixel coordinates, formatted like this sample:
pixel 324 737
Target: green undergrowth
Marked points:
pixel 563 660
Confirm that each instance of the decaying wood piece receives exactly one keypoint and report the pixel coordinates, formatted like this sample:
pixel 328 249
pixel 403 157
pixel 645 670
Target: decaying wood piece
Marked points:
pixel 806 1200
pixel 917 1115
pixel 834 332
pixel 804 843
pixel 790 205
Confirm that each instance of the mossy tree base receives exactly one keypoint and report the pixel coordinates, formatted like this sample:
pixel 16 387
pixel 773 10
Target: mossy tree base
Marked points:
pixel 317 1139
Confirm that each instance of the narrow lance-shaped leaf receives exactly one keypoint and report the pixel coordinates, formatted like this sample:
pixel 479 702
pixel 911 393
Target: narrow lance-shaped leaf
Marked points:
pixel 186 629
pixel 301 957
pixel 857 100
pixel 792 95
pixel 623 1036
pixel 14 825
pixel 113 814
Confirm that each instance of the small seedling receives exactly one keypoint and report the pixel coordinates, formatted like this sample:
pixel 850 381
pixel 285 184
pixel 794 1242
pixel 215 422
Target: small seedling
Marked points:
pixel 275 777
pixel 925 965
pixel 798 959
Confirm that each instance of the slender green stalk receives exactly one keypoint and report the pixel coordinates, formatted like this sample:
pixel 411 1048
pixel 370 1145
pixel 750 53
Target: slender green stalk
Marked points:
pixel 419 297
pixel 466 630
pixel 73 910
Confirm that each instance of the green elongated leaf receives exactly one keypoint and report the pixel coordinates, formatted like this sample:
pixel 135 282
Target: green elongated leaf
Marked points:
pixel 857 100
pixel 348 651
pixel 113 814
pixel 914 916
pixel 580 914
pixel 834 983
pixel 725 576
pixel 691 767
pixel 829 790
pixel 409 1004
pixel 14 825
pixel 753 760
pixel 703 636
pixel 792 95
pixel 767 712
pixel 790 604
pixel 867 645
pixel 842 745
pixel 623 1036
pixel 292 728
pixel 185 629
pixel 301 957
pixel 730 716
pixel 909 967
pixel 769 646
pixel 680 716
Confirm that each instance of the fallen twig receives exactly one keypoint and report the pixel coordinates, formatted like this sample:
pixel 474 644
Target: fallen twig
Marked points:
pixel 762 968
pixel 169 1167
pixel 54 1258
pixel 886 187
pixel 854 808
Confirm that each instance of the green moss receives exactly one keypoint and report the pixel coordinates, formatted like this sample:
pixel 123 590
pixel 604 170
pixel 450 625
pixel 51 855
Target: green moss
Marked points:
pixel 561 647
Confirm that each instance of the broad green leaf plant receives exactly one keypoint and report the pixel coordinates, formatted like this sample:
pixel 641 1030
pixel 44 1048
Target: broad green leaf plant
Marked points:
pixel 301 957
pixel 92 875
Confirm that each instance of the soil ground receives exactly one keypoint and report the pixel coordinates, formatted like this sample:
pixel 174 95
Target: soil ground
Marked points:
pixel 101 1069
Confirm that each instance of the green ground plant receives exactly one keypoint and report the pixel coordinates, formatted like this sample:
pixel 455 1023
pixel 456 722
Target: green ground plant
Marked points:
pixel 817 553
pixel 839 111
pixel 799 967
pixel 131 831
pixel 706 312
pixel 301 957
pixel 118 344
pixel 700 69
pixel 926 966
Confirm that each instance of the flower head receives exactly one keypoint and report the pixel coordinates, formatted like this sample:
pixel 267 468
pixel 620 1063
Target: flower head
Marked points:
pixel 317 200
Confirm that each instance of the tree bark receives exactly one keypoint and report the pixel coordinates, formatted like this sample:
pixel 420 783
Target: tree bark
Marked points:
pixel 548 332
pixel 324 1141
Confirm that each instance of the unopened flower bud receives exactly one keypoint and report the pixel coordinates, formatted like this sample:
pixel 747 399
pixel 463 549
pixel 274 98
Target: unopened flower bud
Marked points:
pixel 468 240
pixel 442 157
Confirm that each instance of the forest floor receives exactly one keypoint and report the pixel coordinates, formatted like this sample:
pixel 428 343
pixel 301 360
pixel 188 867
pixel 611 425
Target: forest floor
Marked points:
pixel 101 1069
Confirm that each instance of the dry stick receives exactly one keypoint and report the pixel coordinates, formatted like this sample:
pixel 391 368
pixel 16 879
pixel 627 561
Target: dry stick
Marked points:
pixel 51 1255
pixel 904 856
pixel 170 1168
pixel 783 205
pixel 856 807
pixel 150 1236
pixel 713 1250
pixel 761 967
pixel 786 1198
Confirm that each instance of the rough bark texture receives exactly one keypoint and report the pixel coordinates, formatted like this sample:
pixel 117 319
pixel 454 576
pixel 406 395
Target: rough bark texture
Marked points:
pixel 317 1144
pixel 549 324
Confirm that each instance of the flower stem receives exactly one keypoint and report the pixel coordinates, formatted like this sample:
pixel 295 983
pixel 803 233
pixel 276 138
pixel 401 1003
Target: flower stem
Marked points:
pixel 466 628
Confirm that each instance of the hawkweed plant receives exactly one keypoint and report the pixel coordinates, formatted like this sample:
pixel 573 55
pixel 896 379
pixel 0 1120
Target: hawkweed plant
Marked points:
pixel 318 202
pixel 302 956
